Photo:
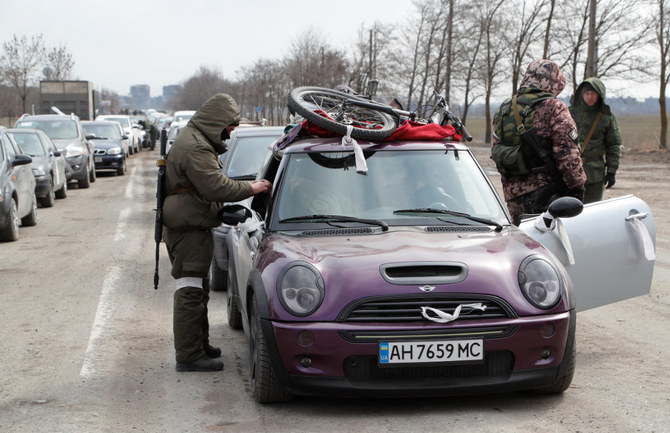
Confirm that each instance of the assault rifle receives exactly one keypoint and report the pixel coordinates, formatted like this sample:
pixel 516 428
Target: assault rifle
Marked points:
pixel 160 197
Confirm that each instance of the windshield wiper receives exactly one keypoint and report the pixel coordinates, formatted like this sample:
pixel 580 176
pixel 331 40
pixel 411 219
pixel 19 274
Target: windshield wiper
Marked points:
pixel 498 226
pixel 337 218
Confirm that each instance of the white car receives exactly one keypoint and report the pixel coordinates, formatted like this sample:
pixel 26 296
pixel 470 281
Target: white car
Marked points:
pixel 182 116
pixel 130 128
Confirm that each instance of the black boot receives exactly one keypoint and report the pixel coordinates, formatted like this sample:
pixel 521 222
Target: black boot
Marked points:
pixel 202 364
pixel 211 351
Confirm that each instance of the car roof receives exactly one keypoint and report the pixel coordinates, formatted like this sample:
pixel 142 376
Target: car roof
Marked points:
pixel 334 144
pixel 257 130
pixel 38 117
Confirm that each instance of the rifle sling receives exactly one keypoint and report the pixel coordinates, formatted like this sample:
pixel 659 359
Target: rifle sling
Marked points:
pixel 593 128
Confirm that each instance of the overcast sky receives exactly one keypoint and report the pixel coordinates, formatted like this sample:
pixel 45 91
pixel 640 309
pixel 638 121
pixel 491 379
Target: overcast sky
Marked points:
pixel 118 43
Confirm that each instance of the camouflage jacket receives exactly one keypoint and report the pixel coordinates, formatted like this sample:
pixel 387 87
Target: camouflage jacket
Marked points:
pixel 603 151
pixel 554 123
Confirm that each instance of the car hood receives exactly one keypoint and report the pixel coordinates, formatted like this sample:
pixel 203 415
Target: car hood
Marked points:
pixel 63 143
pixel 107 144
pixel 394 263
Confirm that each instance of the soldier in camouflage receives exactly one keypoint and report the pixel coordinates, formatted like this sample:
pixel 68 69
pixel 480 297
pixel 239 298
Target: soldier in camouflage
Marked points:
pixel 602 152
pixel 532 193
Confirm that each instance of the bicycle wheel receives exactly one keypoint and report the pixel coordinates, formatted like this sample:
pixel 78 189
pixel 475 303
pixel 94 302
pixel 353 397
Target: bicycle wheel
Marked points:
pixel 368 123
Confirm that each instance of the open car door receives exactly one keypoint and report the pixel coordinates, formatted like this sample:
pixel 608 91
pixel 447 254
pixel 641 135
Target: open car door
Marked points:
pixel 613 249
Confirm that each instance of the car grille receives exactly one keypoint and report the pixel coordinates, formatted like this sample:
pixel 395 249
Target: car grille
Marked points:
pixel 362 370
pixel 407 308
pixel 99 152
pixel 380 335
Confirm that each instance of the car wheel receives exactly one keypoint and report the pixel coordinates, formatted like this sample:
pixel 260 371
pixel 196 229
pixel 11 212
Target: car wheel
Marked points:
pixel 11 231
pixel 232 307
pixel 62 192
pixel 92 174
pixel 48 200
pixel 86 181
pixel 218 278
pixel 264 385
pixel 121 170
pixel 31 218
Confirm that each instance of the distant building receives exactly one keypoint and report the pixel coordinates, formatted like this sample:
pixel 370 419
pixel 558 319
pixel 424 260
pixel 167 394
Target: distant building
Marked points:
pixel 169 91
pixel 140 96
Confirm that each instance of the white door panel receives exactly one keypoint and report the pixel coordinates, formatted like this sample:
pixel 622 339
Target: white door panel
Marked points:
pixel 613 253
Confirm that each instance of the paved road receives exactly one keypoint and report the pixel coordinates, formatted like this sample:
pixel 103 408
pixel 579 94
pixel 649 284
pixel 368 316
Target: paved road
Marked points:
pixel 86 343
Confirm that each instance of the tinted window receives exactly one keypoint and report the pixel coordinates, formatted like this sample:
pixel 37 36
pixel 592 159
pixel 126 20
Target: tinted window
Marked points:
pixel 101 131
pixel 248 154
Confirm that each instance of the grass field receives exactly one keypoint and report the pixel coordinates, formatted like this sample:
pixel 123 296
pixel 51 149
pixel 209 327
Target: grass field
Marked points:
pixel 639 133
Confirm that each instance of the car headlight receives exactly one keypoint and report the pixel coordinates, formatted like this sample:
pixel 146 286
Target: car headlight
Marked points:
pixel 39 172
pixel 74 151
pixel 540 282
pixel 300 289
pixel 114 151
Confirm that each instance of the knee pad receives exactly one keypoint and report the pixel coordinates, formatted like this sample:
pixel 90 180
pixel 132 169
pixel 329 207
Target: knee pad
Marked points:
pixel 189 282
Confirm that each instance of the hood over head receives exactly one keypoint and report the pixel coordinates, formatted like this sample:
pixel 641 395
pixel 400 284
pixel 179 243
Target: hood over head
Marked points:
pixel 592 83
pixel 213 116
pixel 545 75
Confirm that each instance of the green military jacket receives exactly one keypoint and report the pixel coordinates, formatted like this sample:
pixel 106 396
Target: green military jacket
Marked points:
pixel 196 189
pixel 602 153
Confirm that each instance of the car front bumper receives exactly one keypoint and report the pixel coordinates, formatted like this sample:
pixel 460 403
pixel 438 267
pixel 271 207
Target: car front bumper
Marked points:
pixel 518 355
pixel 42 186
pixel 109 162
pixel 77 169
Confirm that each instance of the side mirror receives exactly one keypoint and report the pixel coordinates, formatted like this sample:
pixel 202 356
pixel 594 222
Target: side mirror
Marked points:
pixel 234 214
pixel 21 160
pixel 565 207
pixel 56 153
pixel 124 137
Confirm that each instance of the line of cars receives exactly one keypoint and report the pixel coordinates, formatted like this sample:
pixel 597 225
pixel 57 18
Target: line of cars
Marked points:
pixel 44 153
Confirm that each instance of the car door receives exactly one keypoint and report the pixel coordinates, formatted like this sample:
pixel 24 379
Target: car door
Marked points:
pixel 24 181
pixel 613 247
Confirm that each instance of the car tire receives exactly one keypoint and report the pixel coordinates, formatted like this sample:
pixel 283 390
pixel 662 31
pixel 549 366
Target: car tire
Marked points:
pixel 85 182
pixel 48 200
pixel 92 174
pixel 11 231
pixel 62 192
pixel 31 219
pixel 232 307
pixel 121 170
pixel 218 279
pixel 265 387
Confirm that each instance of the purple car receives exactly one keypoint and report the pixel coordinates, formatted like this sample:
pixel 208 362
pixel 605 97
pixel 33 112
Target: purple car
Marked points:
pixel 398 272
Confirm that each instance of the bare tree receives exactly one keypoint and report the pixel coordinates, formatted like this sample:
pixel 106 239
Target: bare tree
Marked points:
pixel 20 62
pixel 547 32
pixel 591 67
pixel 663 39
pixel 312 62
pixel 197 89
pixel 60 63
pixel 523 32
pixel 491 22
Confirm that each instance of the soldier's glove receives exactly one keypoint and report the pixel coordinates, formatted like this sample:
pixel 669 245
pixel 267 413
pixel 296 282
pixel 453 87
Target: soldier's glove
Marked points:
pixel 577 193
pixel 609 180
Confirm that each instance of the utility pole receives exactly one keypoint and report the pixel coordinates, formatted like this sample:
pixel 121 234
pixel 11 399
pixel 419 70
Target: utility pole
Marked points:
pixel 591 69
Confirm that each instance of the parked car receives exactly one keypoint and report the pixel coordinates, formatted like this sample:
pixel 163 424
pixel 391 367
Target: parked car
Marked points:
pixel 48 164
pixel 246 150
pixel 130 129
pixel 182 116
pixel 109 151
pixel 407 278
pixel 18 205
pixel 173 132
pixel 66 132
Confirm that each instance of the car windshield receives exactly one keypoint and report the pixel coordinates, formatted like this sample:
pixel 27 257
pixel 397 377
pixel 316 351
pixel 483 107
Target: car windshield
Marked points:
pixel 398 185
pixel 30 143
pixel 124 121
pixel 56 129
pixel 247 155
pixel 101 131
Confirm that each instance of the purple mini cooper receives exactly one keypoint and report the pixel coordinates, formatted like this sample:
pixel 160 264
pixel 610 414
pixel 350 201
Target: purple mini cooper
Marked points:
pixel 398 272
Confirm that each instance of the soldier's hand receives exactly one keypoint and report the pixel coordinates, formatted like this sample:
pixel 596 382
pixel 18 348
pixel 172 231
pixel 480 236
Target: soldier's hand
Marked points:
pixel 259 186
pixel 609 180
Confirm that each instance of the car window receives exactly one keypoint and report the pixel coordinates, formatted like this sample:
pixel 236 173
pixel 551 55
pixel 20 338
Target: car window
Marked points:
pixel 101 131
pixel 30 143
pixel 11 152
pixel 55 129
pixel 327 183
pixel 48 144
pixel 247 155
pixel 2 147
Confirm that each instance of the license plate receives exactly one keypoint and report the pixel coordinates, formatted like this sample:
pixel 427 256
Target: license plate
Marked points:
pixel 97 159
pixel 423 352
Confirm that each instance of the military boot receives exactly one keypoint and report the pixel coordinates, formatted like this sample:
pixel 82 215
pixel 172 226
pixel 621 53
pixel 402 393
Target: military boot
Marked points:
pixel 203 364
